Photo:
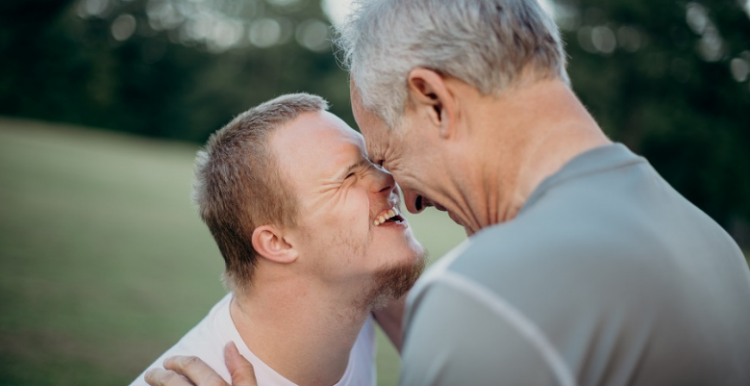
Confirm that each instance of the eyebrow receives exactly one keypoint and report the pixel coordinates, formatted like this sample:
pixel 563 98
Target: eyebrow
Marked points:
pixel 352 167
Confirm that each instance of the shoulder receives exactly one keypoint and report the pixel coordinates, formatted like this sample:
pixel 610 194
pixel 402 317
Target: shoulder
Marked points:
pixel 204 340
pixel 505 310
pixel 530 252
pixel 459 329
pixel 546 279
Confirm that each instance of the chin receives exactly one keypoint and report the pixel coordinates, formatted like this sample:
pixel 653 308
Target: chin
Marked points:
pixel 393 281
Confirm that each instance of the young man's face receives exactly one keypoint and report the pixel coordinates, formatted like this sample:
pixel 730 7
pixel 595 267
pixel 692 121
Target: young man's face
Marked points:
pixel 349 227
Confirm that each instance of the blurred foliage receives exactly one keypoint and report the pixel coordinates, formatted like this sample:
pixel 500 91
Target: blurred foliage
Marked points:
pixel 668 78
pixel 63 62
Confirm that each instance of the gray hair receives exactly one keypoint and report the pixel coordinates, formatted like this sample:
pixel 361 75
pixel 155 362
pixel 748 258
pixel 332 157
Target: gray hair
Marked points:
pixel 487 44
pixel 238 185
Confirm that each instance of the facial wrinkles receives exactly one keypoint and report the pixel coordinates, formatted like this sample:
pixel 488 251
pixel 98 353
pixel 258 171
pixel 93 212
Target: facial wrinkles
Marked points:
pixel 427 179
pixel 405 175
pixel 376 151
pixel 331 186
pixel 379 153
pixel 382 150
pixel 331 196
pixel 450 188
pixel 333 192
pixel 478 201
pixel 464 213
pixel 383 144
pixel 376 207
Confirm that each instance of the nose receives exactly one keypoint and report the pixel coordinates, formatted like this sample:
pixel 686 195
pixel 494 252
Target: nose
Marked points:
pixel 415 203
pixel 382 181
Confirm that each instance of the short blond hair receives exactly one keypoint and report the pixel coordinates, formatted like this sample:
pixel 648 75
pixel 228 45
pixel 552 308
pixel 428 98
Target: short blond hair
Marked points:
pixel 239 186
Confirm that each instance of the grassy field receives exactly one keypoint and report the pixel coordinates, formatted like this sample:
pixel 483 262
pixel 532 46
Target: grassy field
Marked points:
pixel 104 263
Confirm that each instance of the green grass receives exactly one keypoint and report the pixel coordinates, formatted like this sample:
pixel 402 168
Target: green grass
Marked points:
pixel 104 263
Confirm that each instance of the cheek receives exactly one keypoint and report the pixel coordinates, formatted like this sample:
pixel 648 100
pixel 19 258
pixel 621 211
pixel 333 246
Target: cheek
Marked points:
pixel 355 211
pixel 421 174
pixel 406 166
pixel 407 182
pixel 347 224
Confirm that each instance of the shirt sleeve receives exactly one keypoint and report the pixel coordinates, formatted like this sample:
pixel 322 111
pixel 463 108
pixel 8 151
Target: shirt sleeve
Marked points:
pixel 455 337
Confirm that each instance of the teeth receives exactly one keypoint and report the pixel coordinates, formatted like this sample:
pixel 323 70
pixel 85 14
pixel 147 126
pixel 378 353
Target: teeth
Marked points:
pixel 393 212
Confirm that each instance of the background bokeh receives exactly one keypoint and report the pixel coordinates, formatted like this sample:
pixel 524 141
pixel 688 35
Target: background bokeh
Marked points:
pixel 104 263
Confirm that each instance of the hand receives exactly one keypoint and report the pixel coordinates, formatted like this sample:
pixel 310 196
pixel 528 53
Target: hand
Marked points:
pixel 190 371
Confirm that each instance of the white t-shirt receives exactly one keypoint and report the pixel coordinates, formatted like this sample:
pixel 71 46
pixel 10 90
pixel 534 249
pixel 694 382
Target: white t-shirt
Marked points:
pixel 207 340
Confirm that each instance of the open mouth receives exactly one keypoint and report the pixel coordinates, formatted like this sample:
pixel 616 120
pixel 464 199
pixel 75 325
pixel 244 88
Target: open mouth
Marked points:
pixel 391 215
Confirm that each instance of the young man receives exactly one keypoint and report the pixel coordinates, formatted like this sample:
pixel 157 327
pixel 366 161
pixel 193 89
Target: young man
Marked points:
pixel 313 241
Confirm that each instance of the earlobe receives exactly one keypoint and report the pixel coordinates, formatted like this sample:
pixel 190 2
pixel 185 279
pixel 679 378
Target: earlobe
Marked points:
pixel 429 93
pixel 270 243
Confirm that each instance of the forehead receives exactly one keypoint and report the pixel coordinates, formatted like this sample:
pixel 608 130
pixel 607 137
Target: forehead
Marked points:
pixel 315 145
pixel 374 129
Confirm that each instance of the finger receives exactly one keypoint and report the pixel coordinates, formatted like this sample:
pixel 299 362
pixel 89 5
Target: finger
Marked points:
pixel 161 377
pixel 241 370
pixel 194 369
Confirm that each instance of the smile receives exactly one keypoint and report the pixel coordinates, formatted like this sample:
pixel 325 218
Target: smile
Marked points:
pixel 390 215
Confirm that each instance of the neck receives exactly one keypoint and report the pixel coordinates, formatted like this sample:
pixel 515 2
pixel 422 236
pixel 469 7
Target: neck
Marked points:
pixel 523 137
pixel 302 333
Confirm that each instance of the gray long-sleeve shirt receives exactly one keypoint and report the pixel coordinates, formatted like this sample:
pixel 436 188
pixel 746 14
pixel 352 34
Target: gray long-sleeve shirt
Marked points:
pixel 607 276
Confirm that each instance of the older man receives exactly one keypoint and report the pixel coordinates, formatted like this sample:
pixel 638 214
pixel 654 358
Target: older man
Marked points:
pixel 584 266
pixel 313 240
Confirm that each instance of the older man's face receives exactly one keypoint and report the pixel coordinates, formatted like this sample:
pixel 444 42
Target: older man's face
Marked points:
pixel 410 155
pixel 350 227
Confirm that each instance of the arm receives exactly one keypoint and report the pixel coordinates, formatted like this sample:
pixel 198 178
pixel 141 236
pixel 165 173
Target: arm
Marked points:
pixel 390 318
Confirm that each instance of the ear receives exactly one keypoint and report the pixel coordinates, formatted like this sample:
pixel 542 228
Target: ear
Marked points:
pixel 430 94
pixel 270 243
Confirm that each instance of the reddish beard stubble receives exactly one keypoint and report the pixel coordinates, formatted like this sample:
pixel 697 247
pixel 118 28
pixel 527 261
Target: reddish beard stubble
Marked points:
pixel 391 283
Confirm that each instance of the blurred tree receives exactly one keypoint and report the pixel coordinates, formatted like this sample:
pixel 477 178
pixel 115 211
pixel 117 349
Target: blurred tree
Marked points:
pixel 24 28
pixel 165 68
pixel 670 79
